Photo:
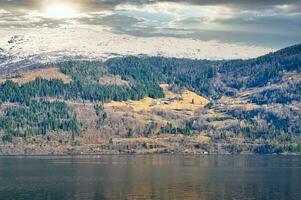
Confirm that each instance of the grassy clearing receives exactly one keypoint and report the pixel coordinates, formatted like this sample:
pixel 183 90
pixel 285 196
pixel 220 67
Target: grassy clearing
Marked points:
pixel 112 80
pixel 46 73
pixel 187 102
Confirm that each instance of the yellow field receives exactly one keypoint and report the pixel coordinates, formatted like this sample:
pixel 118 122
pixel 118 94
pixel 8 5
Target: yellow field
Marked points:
pixel 188 102
pixel 201 138
pixel 46 73
pixel 232 103
pixel 223 123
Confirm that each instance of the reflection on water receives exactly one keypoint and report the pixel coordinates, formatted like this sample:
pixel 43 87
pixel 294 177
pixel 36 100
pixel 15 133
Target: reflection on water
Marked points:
pixel 151 177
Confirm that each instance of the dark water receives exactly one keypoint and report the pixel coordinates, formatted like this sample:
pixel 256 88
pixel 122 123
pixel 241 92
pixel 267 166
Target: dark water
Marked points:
pixel 151 177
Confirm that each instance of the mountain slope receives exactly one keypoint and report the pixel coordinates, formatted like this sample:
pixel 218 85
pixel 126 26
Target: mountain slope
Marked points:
pixel 253 105
pixel 260 71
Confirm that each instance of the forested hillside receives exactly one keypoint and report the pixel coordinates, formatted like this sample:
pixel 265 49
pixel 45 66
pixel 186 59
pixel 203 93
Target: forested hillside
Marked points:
pixel 254 104
pixel 263 70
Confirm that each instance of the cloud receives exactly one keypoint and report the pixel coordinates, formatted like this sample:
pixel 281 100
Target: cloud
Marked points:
pixel 273 22
pixel 111 4
pixel 262 23
pixel 3 12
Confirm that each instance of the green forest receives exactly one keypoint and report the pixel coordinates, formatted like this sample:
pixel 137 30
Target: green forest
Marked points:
pixel 32 114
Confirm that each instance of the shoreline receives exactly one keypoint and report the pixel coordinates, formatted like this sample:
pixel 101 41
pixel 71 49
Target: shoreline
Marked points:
pixel 145 154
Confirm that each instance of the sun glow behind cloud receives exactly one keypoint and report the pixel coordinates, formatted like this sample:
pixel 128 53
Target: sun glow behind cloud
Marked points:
pixel 60 11
pixel 272 23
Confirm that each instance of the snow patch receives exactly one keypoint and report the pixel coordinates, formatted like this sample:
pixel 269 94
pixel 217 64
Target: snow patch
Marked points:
pixel 49 44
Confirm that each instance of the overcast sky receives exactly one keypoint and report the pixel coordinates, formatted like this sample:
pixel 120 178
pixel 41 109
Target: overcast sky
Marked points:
pixel 270 23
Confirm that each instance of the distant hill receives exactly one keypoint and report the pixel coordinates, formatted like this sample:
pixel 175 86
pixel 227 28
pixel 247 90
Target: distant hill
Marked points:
pixel 251 105
pixel 262 70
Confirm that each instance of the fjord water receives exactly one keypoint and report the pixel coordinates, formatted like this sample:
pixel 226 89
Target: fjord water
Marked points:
pixel 151 177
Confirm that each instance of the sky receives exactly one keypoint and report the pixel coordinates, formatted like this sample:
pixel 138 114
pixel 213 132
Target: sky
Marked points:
pixel 268 24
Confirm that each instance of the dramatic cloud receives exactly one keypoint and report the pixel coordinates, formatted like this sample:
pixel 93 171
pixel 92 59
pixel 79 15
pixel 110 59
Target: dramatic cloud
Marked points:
pixel 273 23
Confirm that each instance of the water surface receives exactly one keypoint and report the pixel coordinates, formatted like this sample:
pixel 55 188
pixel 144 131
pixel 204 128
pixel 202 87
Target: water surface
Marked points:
pixel 151 177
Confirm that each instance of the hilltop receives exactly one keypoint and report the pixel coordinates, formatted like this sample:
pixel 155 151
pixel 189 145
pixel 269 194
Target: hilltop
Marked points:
pixel 154 105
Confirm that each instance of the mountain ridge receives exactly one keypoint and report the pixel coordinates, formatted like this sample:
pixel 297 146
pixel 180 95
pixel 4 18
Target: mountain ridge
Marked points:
pixel 253 105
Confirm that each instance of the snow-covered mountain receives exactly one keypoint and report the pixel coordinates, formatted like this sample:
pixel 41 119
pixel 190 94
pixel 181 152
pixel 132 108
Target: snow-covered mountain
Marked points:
pixel 23 47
